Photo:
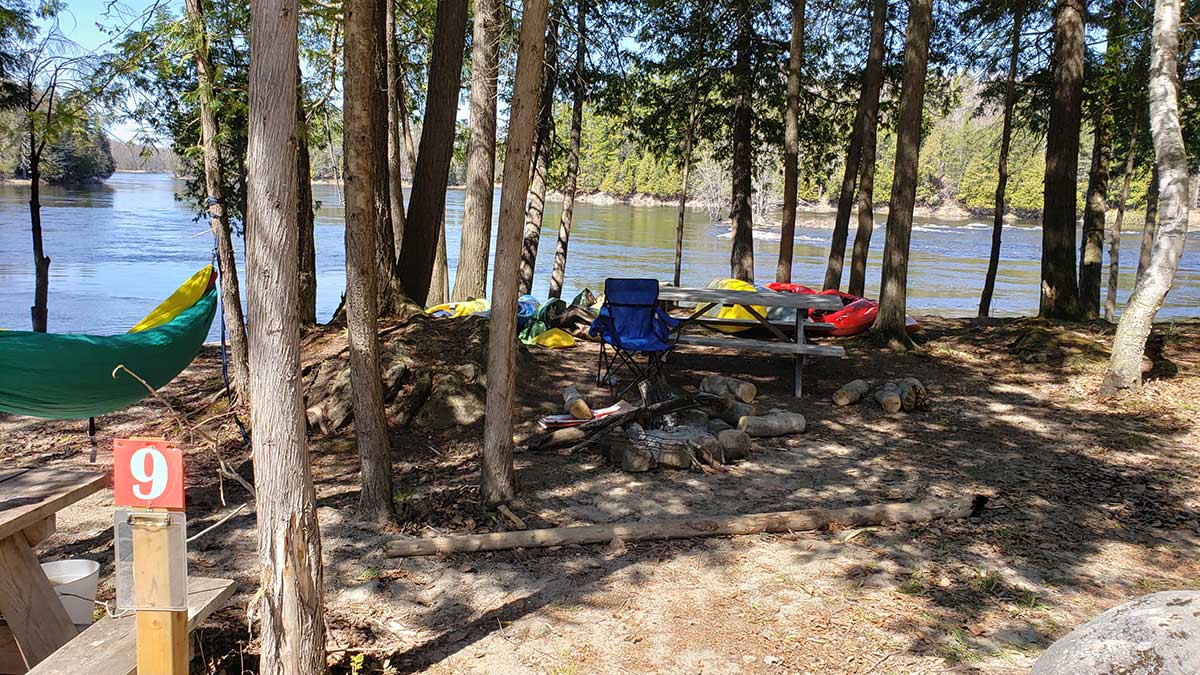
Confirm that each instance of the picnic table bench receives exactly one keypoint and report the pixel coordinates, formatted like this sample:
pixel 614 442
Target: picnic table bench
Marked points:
pixel 36 633
pixel 35 621
pixel 797 346
pixel 109 646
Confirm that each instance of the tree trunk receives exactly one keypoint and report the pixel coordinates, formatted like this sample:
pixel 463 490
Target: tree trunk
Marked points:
pixel 1059 295
pixel 395 151
pixel 568 208
pixel 1091 247
pixel 218 215
pixel 741 257
pixel 1114 236
pixel 439 283
pixel 470 279
pixel 872 84
pixel 683 189
pixel 427 200
pixel 497 482
pixel 1149 227
pixel 890 322
pixel 536 207
pixel 41 263
pixel 289 540
pixel 1010 99
pixel 1125 365
pixel 365 92
pixel 791 145
pixel 410 154
pixel 305 216
pixel 388 290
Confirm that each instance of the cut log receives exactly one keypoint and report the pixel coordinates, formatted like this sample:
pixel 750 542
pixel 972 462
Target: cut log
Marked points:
pixel 729 386
pixel 735 445
pixel 851 392
pixel 700 526
pixel 730 410
pixel 574 404
pixel 561 438
pixel 912 394
pixel 774 423
pixel 888 398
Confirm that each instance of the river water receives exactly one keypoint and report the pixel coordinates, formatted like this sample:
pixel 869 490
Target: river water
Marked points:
pixel 121 247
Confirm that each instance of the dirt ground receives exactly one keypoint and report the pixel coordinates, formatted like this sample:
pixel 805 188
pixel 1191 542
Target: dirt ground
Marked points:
pixel 1093 503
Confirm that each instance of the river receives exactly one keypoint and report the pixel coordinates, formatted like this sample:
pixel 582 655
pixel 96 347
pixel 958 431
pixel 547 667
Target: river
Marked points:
pixel 119 248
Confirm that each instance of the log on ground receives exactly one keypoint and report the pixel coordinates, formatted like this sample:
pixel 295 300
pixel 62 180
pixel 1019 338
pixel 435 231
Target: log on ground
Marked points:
pixel 729 386
pixel 851 392
pixel 680 528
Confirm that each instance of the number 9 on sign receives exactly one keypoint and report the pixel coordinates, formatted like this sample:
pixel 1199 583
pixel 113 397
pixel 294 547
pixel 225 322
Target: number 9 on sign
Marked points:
pixel 147 473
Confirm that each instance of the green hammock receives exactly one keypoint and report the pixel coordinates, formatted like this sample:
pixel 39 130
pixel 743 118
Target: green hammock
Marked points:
pixel 71 376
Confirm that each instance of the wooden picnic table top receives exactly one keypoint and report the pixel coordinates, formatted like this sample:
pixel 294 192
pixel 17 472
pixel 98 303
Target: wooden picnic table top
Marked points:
pixel 29 496
pixel 763 298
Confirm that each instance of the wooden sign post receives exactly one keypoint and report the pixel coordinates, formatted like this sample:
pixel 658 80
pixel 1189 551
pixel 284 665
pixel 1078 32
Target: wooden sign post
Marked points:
pixel 148 478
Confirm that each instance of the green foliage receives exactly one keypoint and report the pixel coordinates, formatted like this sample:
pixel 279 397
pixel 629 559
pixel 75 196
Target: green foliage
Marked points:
pixel 79 156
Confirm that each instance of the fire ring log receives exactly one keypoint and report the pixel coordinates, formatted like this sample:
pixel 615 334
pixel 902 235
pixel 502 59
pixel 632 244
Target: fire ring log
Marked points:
pixel 679 528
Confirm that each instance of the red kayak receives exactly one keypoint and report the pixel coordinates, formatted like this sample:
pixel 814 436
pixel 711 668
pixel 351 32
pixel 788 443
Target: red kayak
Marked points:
pixel 856 315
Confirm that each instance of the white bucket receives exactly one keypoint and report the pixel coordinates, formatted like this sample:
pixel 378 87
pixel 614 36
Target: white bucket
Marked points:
pixel 75 583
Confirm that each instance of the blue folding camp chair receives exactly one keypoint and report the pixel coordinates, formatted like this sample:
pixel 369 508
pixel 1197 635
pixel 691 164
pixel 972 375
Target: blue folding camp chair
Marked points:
pixel 632 323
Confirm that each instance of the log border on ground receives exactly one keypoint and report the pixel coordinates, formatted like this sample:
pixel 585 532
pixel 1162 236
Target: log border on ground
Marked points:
pixel 700 526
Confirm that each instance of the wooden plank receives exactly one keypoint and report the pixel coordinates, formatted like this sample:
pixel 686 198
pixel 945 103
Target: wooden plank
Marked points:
pixel 762 298
pixel 11 662
pixel 744 345
pixel 717 321
pixel 39 531
pixel 161 635
pixel 28 602
pixel 109 646
pixel 10 473
pixel 37 494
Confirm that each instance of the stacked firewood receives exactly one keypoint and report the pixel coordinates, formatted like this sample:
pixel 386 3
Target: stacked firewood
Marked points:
pixel 907 394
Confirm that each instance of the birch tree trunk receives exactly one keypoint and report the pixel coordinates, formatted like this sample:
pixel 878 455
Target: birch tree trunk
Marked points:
pixel 218 215
pixel 1060 294
pixel 890 322
pixel 568 209
pixel 1114 235
pixel 365 90
pixel 289 541
pixel 1170 154
pixel 791 145
pixel 497 480
pixel 741 256
pixel 470 278
pixel 536 207
pixel 1010 99
pixel 427 200
pixel 395 141
pixel 872 84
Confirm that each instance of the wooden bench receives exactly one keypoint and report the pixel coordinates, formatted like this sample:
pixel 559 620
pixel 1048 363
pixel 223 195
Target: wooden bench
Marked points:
pixel 809 326
pixel 798 350
pixel 109 646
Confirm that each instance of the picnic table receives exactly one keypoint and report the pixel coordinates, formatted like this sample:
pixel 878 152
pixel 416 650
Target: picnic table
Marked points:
pixel 35 621
pixel 797 346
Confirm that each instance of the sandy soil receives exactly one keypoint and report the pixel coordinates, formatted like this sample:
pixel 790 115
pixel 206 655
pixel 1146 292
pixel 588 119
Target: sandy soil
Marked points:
pixel 1093 503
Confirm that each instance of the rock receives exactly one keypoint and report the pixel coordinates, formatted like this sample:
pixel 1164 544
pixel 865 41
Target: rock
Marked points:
pixel 692 417
pixel 1156 634
pixel 637 460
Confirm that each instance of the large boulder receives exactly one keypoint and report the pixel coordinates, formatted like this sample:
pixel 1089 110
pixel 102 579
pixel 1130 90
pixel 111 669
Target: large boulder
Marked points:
pixel 1157 634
